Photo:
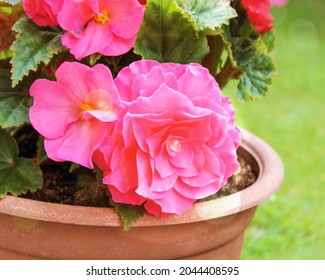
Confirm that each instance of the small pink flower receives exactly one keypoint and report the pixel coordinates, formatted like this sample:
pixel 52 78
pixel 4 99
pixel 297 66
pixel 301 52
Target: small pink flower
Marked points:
pixel 279 2
pixel 259 14
pixel 108 27
pixel 43 12
pixel 75 113
pixel 177 141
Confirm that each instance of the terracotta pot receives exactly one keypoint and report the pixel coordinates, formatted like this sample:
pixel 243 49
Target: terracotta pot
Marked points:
pixel 211 230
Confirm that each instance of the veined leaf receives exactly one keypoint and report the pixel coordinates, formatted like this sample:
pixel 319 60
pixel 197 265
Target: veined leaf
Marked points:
pixel 251 54
pixel 17 175
pixel 14 102
pixel 33 45
pixel 166 35
pixel 210 14
pixel 257 78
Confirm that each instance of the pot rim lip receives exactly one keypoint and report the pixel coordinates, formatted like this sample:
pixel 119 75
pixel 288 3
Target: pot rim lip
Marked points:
pixel 270 178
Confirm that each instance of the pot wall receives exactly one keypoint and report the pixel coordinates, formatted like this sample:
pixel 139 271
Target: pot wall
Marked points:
pixel 211 230
pixel 218 238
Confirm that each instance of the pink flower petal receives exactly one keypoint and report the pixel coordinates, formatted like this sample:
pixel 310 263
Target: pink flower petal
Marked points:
pixel 197 82
pixel 72 76
pixel 184 157
pixel 129 197
pixel 75 14
pixel 144 174
pixel 130 11
pixel 43 12
pixel 174 203
pixel 96 38
pixel 125 78
pixel 145 85
pixel 154 209
pixel 210 172
pixel 52 146
pixel 123 175
pixel 163 166
pixel 81 140
pixel 197 192
pixel 52 105
pixel 104 116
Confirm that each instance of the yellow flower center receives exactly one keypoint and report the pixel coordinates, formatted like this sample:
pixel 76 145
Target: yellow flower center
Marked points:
pixel 84 108
pixel 102 18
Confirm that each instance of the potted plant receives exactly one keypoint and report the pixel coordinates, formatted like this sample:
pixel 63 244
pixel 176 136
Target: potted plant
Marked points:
pixel 112 116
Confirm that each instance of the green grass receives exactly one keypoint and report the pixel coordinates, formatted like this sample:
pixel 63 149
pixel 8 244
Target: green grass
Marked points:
pixel 291 225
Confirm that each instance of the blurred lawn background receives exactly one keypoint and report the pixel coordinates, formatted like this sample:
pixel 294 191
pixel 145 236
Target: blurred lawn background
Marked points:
pixel 291 225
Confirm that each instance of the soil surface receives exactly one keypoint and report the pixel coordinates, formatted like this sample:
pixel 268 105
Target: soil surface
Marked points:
pixel 80 187
pixel 66 183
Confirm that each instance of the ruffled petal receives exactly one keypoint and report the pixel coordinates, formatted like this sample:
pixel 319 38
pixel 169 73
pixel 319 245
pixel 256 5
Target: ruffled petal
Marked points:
pixel 128 197
pixel 174 203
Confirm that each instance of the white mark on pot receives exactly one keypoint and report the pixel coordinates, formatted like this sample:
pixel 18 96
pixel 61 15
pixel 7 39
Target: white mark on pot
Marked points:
pixel 226 207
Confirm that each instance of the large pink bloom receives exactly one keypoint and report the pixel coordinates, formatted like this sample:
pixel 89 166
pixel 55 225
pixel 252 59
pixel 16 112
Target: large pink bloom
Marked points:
pixel 108 27
pixel 259 14
pixel 43 12
pixel 177 141
pixel 75 113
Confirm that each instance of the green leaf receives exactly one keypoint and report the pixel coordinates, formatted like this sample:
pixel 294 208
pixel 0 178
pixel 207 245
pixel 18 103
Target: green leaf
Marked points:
pixel 129 214
pixel 40 151
pixel 166 35
pixel 17 175
pixel 8 151
pixel 226 38
pixel 269 40
pixel 33 45
pixel 94 58
pixel 258 77
pixel 73 167
pixel 208 14
pixel 251 54
pixel 258 67
pixel 14 102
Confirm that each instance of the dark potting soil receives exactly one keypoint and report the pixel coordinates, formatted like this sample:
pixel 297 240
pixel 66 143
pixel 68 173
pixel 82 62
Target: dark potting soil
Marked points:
pixel 79 186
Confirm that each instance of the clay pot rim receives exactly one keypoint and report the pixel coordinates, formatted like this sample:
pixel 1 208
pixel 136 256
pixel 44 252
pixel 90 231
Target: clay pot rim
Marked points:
pixel 269 180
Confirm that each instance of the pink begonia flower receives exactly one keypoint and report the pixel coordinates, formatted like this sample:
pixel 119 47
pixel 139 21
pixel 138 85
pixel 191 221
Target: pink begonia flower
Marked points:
pixel 75 113
pixel 108 27
pixel 279 2
pixel 43 12
pixel 176 142
pixel 259 14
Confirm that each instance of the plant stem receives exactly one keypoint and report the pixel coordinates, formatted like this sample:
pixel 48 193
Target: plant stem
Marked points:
pixel 213 59
pixel 227 73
